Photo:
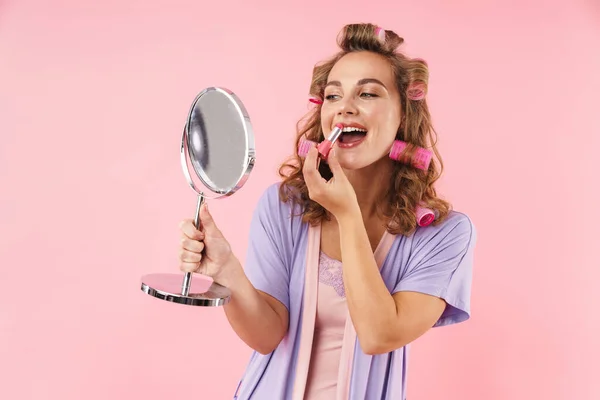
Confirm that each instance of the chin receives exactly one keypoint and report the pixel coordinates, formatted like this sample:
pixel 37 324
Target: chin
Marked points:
pixel 353 163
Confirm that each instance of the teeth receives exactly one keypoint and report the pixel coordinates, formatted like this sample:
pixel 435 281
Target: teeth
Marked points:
pixel 352 129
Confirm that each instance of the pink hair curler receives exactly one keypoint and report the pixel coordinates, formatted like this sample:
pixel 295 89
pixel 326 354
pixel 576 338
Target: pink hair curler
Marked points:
pixel 416 91
pixel 421 158
pixel 304 146
pixel 425 216
pixel 380 33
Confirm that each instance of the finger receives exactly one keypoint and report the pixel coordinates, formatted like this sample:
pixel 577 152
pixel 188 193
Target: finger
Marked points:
pixel 192 245
pixel 190 231
pixel 186 256
pixel 208 223
pixel 312 177
pixel 189 267
pixel 334 164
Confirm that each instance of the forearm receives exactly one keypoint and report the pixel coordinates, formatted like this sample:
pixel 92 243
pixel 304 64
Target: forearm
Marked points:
pixel 250 315
pixel 371 306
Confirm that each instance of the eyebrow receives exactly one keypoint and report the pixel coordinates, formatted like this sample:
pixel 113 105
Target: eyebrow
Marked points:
pixel 361 82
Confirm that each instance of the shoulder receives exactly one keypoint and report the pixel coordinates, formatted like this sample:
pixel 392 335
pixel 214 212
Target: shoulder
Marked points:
pixel 456 224
pixel 456 230
pixel 271 207
pixel 270 199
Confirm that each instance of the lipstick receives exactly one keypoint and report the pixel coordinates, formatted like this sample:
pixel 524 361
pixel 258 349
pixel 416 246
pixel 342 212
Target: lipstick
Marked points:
pixel 325 146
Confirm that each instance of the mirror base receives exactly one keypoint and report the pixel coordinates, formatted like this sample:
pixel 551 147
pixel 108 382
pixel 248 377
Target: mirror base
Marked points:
pixel 203 291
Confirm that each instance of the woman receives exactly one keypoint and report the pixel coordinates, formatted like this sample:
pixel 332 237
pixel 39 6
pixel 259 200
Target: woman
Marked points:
pixel 320 328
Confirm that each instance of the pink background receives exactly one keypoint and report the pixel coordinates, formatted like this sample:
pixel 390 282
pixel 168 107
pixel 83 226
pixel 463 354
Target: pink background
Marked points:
pixel 93 97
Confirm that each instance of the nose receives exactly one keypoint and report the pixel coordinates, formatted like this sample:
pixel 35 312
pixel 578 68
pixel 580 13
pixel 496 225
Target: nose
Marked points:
pixel 347 106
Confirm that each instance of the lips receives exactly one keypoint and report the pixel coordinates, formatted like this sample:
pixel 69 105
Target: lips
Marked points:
pixel 354 125
pixel 352 135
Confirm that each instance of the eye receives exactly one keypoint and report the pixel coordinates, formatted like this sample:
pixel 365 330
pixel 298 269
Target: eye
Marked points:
pixel 368 95
pixel 331 96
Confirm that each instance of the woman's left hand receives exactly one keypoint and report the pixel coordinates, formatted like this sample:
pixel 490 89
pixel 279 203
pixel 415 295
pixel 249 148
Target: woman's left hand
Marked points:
pixel 337 195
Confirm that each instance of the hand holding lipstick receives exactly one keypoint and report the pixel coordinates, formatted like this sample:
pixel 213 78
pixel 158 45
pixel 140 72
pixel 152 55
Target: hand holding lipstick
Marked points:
pixel 337 195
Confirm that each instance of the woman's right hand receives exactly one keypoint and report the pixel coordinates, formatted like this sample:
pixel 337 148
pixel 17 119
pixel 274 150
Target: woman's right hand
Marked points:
pixel 204 251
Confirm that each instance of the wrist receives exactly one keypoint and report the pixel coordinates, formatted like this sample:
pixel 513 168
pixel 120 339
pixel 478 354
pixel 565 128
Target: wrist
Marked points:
pixel 349 217
pixel 232 273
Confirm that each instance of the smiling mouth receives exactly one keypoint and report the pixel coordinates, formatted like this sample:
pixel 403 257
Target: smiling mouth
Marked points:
pixel 352 135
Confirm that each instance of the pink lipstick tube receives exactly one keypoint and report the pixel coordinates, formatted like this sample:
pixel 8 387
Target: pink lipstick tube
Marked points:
pixel 325 146
pixel 421 158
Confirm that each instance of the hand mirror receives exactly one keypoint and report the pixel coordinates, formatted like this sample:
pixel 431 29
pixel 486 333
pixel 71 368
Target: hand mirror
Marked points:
pixel 218 142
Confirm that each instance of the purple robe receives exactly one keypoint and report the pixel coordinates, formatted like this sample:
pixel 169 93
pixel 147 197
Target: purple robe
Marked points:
pixel 282 260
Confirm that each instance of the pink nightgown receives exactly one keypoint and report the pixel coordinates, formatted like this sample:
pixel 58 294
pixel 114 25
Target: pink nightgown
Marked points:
pixel 329 331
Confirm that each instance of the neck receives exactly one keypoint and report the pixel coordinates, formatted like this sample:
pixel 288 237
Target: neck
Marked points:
pixel 370 184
